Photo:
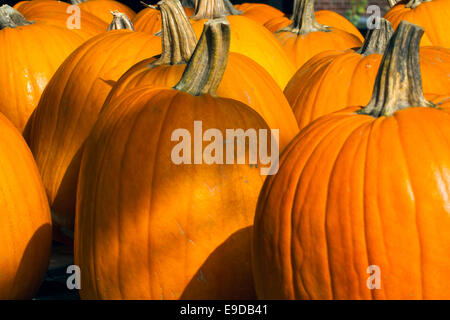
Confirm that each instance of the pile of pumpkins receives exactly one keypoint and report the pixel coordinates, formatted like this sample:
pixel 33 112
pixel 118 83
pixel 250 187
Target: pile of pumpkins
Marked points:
pixel 86 120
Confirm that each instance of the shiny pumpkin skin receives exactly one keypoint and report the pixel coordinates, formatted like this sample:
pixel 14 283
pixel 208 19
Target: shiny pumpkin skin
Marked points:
pixel 256 42
pixel 244 80
pixel 70 106
pixel 431 16
pixel 29 57
pixel 56 13
pixel 259 12
pixel 169 222
pixel 334 80
pixel 325 17
pixel 102 9
pixel 361 191
pixel 25 222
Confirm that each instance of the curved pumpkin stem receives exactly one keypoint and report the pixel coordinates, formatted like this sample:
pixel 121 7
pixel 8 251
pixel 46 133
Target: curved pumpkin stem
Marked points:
pixel 178 36
pixel 412 4
pixel 213 9
pixel 304 19
pixel 120 22
pixel 205 70
pixel 392 3
pixel 11 18
pixel 77 2
pixel 377 39
pixel 399 82
pixel 188 3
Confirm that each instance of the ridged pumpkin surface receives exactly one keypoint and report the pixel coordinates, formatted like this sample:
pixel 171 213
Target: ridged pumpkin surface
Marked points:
pixel 259 12
pixel 25 222
pixel 70 106
pixel 30 56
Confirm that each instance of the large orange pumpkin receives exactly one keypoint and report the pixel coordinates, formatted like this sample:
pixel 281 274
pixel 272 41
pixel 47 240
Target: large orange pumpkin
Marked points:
pixel 244 80
pixel 431 15
pixel 70 105
pixel 360 206
pixel 305 37
pixel 147 228
pixel 333 80
pixel 325 17
pixel 30 54
pixel 25 223
pixel 248 38
pixel 102 8
pixel 60 14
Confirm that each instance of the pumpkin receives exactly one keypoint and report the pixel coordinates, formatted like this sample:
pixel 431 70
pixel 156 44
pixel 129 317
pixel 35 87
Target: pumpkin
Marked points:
pixel 25 222
pixel 431 15
pixel 184 230
pixel 305 38
pixel 70 106
pixel 244 80
pixel 359 208
pixel 333 80
pixel 248 38
pixel 58 13
pixel 31 53
pixel 325 17
pixel 260 12
pixel 102 8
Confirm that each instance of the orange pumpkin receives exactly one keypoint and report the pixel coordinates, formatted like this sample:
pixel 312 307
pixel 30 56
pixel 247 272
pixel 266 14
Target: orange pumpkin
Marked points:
pixel 430 15
pixel 244 80
pixel 325 17
pixel 359 208
pixel 30 54
pixel 59 13
pixel 305 38
pixel 70 106
pixel 184 230
pixel 333 80
pixel 248 38
pixel 260 12
pixel 102 8
pixel 25 222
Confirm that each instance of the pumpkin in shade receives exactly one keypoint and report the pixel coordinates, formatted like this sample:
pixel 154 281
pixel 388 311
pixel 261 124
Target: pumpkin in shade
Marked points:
pixel 31 52
pixel 260 12
pixel 325 17
pixel 305 37
pixel 184 230
pixel 25 223
pixel 361 192
pixel 333 80
pixel 244 80
pixel 102 8
pixel 248 38
pixel 59 13
pixel 431 15
pixel 70 106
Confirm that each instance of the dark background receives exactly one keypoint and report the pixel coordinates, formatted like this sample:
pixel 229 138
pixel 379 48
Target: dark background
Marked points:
pixel 284 5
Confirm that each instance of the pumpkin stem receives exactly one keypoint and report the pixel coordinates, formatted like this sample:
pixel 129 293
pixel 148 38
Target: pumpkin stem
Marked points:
pixel 377 39
pixel 392 3
pixel 178 36
pixel 120 21
pixel 149 5
pixel 399 83
pixel 77 2
pixel 205 70
pixel 412 4
pixel 11 18
pixel 213 9
pixel 304 19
